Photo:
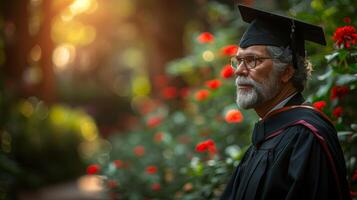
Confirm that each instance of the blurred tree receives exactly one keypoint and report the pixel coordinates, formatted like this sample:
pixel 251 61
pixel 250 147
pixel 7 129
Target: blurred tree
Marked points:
pixel 29 47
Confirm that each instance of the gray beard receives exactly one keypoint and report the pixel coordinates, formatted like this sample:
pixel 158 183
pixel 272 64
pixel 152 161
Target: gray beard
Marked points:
pixel 259 93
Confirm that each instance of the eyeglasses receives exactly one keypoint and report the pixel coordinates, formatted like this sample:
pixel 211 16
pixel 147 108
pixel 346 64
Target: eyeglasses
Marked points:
pixel 250 62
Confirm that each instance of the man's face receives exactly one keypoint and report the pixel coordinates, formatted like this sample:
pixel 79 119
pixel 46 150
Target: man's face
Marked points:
pixel 260 84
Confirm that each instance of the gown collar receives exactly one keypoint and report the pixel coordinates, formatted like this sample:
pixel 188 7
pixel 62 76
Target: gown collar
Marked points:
pixel 263 127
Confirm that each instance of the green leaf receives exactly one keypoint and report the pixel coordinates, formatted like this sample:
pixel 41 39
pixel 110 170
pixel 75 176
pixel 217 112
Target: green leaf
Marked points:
pixel 332 56
pixel 342 54
pixel 326 75
pixel 353 67
pixel 324 89
pixel 346 79
pixel 180 66
pixel 354 127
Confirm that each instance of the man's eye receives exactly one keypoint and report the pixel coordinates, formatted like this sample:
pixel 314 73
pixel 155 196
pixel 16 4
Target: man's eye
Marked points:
pixel 240 60
pixel 250 59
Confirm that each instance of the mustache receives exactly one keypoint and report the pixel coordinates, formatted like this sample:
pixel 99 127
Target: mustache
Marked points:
pixel 241 80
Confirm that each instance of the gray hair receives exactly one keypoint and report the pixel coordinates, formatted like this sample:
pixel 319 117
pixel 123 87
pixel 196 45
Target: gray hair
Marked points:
pixel 284 59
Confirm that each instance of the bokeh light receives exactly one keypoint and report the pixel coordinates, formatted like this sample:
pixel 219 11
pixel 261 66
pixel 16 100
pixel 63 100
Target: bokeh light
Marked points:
pixel 123 8
pixel 208 56
pixel 32 75
pixel 133 57
pixel 36 53
pixel 5 142
pixel 26 108
pixel 81 6
pixel 141 86
pixel 90 183
pixel 73 32
pixel 88 129
pixel 63 55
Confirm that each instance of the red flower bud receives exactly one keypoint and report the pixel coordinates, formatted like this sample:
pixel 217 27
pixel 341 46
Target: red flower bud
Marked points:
pixel 337 112
pixel 319 104
pixel 347 20
pixel 152 122
pixel 118 164
pixel 205 37
pixel 169 92
pixel 213 84
pixel 151 169
pixel 139 150
pixel 184 92
pixel 112 184
pixel 158 137
pixel 230 50
pixel 227 71
pixel 202 95
pixel 234 116
pixel 156 186
pixel 93 169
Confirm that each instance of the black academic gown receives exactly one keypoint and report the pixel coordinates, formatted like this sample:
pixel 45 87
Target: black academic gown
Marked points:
pixel 293 164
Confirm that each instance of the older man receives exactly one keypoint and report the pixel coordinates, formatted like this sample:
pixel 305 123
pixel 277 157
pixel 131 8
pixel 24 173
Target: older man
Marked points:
pixel 295 153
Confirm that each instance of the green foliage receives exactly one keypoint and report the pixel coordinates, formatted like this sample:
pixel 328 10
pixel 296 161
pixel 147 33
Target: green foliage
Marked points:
pixel 42 144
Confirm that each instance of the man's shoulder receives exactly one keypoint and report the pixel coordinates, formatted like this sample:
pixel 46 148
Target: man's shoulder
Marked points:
pixel 312 117
pixel 302 121
pixel 309 123
pixel 307 116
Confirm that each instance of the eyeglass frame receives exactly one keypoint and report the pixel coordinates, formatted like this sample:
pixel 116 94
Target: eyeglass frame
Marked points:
pixel 244 61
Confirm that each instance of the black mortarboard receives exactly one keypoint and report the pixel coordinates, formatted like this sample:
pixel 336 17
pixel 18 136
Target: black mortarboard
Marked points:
pixel 270 29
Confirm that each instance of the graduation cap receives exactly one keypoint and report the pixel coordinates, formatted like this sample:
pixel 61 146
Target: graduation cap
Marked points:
pixel 270 29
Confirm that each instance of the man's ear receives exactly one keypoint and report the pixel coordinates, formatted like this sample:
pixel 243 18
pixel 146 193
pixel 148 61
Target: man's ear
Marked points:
pixel 287 74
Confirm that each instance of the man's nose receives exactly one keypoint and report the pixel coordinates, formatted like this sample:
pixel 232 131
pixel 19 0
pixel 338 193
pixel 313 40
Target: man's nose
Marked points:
pixel 241 70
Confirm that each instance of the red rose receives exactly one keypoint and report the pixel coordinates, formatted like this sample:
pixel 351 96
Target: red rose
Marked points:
pixel 201 147
pixel 234 116
pixel 139 150
pixel 230 50
pixel 205 37
pixel 319 104
pixel 184 92
pixel 156 186
pixel 339 92
pixel 337 112
pixel 118 164
pixel 212 149
pixel 93 169
pixel 347 20
pixel 112 184
pixel 207 145
pixel 152 122
pixel 202 95
pixel 227 71
pixel 158 136
pixel 151 169
pixel 160 80
pixel 213 84
pixel 345 35
pixel 169 92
